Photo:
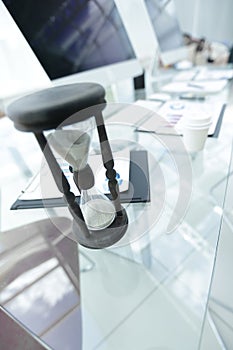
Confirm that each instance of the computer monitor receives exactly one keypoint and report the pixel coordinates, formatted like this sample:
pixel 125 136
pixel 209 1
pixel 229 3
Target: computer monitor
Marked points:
pixel 163 17
pixel 135 17
pixel 74 41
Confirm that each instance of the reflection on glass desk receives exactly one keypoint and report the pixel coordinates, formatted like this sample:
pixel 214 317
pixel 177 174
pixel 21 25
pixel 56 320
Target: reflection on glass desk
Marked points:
pixel 148 292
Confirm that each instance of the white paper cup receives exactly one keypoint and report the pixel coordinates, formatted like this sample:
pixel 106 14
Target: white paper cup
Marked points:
pixel 195 130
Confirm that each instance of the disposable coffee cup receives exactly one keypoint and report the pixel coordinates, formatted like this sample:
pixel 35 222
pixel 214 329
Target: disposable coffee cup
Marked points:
pixel 195 130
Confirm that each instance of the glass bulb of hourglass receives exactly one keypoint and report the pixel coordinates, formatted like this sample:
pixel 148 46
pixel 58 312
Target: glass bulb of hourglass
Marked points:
pixel 98 210
pixel 71 145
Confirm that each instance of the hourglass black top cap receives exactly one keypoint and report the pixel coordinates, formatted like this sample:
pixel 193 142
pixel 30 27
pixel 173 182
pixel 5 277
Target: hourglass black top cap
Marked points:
pixel 48 108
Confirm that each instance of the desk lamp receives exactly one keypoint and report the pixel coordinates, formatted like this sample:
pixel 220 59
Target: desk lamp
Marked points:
pixel 99 222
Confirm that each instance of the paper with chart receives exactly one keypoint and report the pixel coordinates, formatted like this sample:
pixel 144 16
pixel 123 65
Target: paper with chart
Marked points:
pixel 174 111
pixel 44 186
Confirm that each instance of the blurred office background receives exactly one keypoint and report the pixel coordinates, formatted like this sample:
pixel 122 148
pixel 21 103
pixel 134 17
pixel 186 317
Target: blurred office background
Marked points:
pixel 20 69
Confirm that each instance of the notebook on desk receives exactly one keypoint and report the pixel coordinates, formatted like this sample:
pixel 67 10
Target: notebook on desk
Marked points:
pixel 137 189
pixel 198 87
pixel 214 74
pixel 204 74
pixel 174 110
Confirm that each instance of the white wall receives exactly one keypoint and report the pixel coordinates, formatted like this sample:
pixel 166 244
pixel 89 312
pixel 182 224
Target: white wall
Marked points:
pixel 185 12
pixel 215 19
pixel 209 18
pixel 20 71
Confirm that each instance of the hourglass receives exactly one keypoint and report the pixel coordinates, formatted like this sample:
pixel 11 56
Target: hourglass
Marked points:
pixel 99 221
pixel 73 145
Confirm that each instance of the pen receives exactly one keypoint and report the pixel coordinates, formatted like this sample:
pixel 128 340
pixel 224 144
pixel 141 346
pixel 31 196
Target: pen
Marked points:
pixel 195 86
pixel 158 133
pixel 192 97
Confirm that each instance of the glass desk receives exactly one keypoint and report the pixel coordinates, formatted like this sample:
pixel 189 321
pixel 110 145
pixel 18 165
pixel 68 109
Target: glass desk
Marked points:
pixel 148 292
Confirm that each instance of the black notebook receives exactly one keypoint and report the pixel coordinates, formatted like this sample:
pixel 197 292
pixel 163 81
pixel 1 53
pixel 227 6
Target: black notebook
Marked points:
pixel 138 189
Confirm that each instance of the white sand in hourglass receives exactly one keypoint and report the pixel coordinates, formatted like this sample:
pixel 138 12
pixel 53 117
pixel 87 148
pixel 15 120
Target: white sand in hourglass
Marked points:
pixel 98 213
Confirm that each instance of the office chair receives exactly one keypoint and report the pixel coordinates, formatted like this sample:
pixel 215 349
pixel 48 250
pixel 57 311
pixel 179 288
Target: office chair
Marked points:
pixel 31 255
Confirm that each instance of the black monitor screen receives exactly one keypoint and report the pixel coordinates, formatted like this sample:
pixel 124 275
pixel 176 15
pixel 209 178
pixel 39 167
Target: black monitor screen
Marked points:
pixel 71 36
pixel 165 23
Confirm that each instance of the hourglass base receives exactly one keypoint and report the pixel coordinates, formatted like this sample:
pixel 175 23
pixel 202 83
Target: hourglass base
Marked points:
pixel 105 237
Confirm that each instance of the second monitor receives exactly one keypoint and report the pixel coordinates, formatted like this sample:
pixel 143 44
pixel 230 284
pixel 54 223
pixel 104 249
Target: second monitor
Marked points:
pixel 169 35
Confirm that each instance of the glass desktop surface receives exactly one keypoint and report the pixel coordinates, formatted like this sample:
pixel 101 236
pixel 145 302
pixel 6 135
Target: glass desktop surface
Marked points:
pixel 147 293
